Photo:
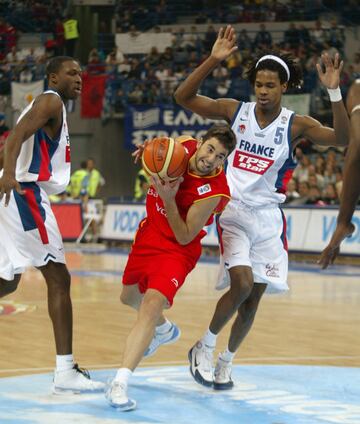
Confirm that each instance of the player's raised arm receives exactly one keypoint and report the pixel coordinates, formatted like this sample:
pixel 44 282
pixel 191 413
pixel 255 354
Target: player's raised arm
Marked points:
pixel 351 181
pixel 329 74
pixel 186 94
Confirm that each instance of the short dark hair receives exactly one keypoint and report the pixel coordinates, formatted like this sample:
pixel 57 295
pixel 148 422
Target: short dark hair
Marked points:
pixel 224 134
pixel 54 65
pixel 295 80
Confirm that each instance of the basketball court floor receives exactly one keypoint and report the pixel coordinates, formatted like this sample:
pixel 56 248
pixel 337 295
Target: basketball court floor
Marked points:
pixel 300 363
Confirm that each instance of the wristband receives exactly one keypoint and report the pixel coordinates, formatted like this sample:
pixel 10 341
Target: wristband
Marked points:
pixel 335 94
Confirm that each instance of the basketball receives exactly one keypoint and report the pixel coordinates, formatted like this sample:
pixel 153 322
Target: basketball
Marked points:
pixel 165 157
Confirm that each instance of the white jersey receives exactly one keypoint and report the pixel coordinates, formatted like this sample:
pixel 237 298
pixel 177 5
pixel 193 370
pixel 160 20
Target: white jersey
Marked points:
pixel 44 160
pixel 261 165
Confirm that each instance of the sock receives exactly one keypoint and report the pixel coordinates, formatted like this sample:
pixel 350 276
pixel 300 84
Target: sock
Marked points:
pixel 163 328
pixel 227 356
pixel 209 339
pixel 123 375
pixel 64 362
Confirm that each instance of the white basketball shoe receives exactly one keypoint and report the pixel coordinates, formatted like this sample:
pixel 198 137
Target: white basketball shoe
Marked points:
pixel 116 394
pixel 75 380
pixel 222 375
pixel 201 360
pixel 159 339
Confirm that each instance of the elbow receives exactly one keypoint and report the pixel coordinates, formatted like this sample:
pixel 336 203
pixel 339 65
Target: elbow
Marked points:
pixel 179 99
pixel 184 239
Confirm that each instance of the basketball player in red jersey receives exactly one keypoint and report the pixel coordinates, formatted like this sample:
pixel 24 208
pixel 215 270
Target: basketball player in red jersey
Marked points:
pixel 167 247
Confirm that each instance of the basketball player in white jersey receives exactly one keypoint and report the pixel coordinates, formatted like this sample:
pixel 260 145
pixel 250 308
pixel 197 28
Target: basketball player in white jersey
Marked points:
pixel 35 164
pixel 253 227
pixel 351 182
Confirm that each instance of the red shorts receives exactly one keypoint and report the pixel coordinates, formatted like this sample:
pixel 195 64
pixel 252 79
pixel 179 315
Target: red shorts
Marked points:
pixel 157 263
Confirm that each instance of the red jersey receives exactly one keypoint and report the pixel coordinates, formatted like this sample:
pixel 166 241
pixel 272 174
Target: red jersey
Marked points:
pixel 193 189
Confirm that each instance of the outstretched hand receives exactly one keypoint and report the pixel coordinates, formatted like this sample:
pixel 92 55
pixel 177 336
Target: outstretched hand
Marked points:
pixel 224 45
pixel 331 77
pixel 7 184
pixel 332 250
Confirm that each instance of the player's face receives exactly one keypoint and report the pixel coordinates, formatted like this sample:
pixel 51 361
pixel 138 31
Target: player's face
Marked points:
pixel 268 89
pixel 68 80
pixel 210 155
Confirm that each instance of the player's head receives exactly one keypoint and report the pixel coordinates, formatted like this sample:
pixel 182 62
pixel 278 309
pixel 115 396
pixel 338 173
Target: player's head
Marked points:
pixel 271 75
pixel 64 76
pixel 217 143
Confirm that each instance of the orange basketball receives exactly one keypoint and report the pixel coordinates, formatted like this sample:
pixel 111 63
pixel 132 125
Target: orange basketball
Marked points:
pixel 165 157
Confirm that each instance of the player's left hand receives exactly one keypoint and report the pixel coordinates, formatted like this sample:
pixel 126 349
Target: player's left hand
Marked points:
pixel 166 189
pixel 139 151
pixel 332 250
pixel 331 77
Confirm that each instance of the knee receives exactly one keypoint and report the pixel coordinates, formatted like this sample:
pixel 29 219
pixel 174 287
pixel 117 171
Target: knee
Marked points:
pixel 59 281
pixel 241 286
pixel 8 287
pixel 125 299
pixel 152 307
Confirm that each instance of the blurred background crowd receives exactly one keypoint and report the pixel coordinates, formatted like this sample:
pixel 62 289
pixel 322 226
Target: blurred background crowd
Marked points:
pixel 151 77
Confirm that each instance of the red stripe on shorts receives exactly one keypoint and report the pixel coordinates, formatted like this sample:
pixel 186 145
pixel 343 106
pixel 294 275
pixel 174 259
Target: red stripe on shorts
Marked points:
pixel 35 212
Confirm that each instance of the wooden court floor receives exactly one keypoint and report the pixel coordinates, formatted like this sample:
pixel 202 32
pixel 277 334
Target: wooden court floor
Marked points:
pixel 316 322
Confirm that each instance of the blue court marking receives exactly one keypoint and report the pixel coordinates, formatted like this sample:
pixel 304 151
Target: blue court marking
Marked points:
pixel 271 394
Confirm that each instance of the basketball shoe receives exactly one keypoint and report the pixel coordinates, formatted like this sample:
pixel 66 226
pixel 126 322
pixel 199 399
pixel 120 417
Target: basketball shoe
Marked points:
pixel 159 339
pixel 117 397
pixel 201 359
pixel 222 375
pixel 75 380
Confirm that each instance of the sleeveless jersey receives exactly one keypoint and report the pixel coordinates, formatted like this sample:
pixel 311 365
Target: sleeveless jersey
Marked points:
pixel 44 160
pixel 193 189
pixel 262 163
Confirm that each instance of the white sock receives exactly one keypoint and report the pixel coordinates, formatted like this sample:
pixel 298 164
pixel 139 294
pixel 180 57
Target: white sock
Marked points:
pixel 123 375
pixel 227 356
pixel 163 328
pixel 209 339
pixel 64 362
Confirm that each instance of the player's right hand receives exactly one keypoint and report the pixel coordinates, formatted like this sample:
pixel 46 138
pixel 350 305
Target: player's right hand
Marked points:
pixel 139 151
pixel 225 44
pixel 332 250
pixel 7 184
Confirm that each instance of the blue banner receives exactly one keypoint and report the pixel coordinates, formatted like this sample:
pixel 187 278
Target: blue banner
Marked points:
pixel 146 122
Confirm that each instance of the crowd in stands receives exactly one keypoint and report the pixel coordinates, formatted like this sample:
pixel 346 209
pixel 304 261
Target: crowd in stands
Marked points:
pixel 147 14
pixel 317 180
pixel 134 79
pixel 151 78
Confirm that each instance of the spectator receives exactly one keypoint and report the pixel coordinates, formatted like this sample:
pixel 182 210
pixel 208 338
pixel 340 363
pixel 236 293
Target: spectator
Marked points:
pixel 96 180
pixel 314 197
pixel 79 182
pixel 71 34
pixel 291 192
pixel 142 184
pixel 292 36
pixel 329 195
pixel 263 39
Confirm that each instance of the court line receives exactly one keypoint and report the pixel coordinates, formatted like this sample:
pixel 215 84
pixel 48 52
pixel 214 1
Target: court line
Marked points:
pixel 165 363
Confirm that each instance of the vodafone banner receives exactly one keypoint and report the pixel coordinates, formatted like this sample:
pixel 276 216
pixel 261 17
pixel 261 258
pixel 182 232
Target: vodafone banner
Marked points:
pixel 308 229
